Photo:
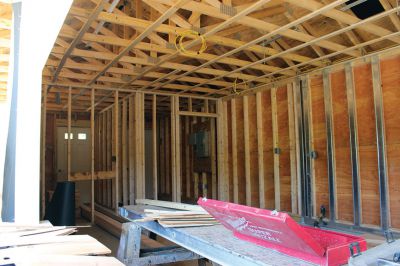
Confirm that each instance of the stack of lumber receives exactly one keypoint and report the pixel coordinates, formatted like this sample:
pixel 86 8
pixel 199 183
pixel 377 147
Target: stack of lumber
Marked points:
pixel 44 244
pixel 178 215
pixel 179 218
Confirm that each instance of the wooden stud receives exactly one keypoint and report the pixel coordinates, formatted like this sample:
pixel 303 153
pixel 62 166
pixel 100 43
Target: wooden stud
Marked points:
pixel 187 158
pixel 69 133
pixel 125 187
pixel 43 156
pixel 92 96
pixel 276 147
pixel 131 141
pixel 116 143
pixel 260 150
pixel 154 128
pixel 234 153
pixel 178 151
pixel 247 149
pixel 292 147
pixel 213 159
pixel 223 181
pixel 168 155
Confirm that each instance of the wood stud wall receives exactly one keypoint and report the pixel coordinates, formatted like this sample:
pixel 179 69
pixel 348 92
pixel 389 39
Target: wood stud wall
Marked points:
pixel 255 150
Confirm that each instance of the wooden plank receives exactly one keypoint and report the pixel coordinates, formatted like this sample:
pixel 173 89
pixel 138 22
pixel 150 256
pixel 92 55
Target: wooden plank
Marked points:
pixel 187 158
pixel 227 175
pixel 320 165
pixel 116 143
pixel 198 114
pixel 247 149
pixel 162 156
pixel 284 156
pixel 234 153
pixel 213 158
pixel 168 155
pixel 368 157
pixel 240 150
pixel 292 147
pixel 297 109
pixel 104 158
pixel 275 138
pixel 154 139
pixel 344 193
pixel 173 147
pixel 69 132
pixel 131 150
pixel 139 136
pixel 178 173
pixel 260 150
pixel 109 142
pixel 54 260
pixel 223 180
pixel 92 152
pixel 391 101
pixel 252 121
pixel 43 156
pixel 124 153
pixel 171 205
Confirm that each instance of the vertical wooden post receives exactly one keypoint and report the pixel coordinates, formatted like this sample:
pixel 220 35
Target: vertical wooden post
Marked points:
pixel 168 154
pixel 125 188
pixel 260 150
pixel 69 133
pixel 155 183
pixel 213 159
pixel 43 155
pixel 381 143
pixel 175 145
pixel 276 149
pixel 139 144
pixel 234 153
pixel 292 147
pixel 223 184
pixel 92 152
pixel 247 149
pixel 187 158
pixel 109 143
pixel 131 141
pixel 116 143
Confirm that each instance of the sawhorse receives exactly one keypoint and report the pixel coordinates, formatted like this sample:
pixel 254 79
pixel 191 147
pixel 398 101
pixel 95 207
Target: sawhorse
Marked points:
pixel 131 253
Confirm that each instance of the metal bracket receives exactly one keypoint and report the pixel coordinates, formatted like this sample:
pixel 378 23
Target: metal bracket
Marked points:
pixel 389 236
pixel 357 250
pixel 227 10
pixel 277 150
pixel 313 154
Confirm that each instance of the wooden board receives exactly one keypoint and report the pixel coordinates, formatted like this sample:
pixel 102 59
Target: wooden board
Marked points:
pixel 240 151
pixel 344 192
pixel 321 192
pixel 284 156
pixel 390 76
pixel 229 171
pixel 268 150
pixel 252 119
pixel 368 161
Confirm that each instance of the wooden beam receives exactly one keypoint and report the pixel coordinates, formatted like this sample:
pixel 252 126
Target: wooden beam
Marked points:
pixel 92 97
pixel 131 150
pixel 275 137
pixel 69 133
pixel 292 148
pixel 246 130
pixel 260 150
pixel 197 114
pixel 234 153
pixel 43 155
pixel 116 143
pixel 124 151
pixel 154 139
pixel 81 32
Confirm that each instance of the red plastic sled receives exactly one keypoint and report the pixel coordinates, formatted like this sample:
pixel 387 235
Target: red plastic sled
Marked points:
pixel 278 231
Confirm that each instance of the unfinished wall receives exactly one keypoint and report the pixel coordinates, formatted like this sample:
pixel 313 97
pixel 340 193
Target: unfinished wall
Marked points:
pixel 267 127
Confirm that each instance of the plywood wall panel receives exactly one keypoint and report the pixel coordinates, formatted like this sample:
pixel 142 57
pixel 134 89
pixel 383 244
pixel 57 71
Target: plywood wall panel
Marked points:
pixel 253 150
pixel 268 150
pixel 368 161
pixel 284 145
pixel 321 192
pixel 390 76
pixel 240 151
pixel 344 193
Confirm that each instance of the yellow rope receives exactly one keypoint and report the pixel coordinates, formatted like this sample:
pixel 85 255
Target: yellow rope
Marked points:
pixel 179 42
pixel 234 87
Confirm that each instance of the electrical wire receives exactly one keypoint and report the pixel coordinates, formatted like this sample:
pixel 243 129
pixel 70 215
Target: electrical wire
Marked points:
pixel 179 42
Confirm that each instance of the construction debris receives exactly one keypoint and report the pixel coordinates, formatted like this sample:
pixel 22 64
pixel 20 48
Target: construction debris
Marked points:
pixel 45 244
